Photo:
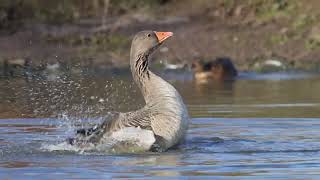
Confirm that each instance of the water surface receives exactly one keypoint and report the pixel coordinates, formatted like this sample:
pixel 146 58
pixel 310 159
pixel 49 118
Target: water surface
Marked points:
pixel 260 126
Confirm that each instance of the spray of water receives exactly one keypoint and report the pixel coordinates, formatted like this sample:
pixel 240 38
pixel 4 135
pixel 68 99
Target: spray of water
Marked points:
pixel 73 101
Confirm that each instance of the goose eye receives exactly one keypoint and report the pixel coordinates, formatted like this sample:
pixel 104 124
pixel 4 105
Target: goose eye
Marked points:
pixel 149 35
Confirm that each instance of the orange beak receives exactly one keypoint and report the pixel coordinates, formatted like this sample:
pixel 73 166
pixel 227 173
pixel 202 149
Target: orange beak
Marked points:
pixel 163 36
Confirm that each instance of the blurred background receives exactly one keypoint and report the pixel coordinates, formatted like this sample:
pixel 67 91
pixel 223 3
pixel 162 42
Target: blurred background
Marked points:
pixel 74 54
pixel 97 33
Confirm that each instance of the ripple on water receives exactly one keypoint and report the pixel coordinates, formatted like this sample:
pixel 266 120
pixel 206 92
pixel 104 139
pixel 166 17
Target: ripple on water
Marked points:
pixel 214 147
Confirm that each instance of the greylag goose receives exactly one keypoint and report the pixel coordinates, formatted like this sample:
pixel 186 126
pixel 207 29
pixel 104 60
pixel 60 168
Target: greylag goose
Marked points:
pixel 164 116
pixel 220 69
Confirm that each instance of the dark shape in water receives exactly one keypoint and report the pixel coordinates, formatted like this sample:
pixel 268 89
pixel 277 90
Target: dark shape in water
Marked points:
pixel 11 67
pixel 220 69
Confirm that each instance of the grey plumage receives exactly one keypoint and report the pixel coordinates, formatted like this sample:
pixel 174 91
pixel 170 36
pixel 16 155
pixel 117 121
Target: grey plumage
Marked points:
pixel 164 113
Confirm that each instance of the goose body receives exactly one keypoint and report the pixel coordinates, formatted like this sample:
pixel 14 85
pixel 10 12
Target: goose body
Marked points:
pixel 161 123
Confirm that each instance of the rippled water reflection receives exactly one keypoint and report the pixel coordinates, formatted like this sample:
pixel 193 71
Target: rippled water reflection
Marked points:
pixel 256 127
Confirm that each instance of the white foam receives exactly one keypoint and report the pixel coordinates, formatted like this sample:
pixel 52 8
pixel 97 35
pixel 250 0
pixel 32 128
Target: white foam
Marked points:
pixel 126 140
pixel 64 146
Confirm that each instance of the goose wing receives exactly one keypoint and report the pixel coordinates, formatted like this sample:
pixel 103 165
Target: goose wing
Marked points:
pixel 140 118
pixel 94 134
pixel 113 122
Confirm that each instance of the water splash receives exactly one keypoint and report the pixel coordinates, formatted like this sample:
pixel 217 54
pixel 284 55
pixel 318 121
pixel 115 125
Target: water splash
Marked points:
pixel 79 96
pixel 75 101
pixel 127 140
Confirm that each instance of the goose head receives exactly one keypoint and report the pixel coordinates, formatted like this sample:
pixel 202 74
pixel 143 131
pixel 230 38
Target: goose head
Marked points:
pixel 145 42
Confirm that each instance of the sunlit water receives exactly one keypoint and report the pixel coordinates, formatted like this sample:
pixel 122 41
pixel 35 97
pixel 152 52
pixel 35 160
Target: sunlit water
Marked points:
pixel 261 125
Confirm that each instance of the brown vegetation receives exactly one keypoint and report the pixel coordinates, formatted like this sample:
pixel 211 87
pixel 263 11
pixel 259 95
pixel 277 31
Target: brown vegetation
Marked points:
pixel 97 33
